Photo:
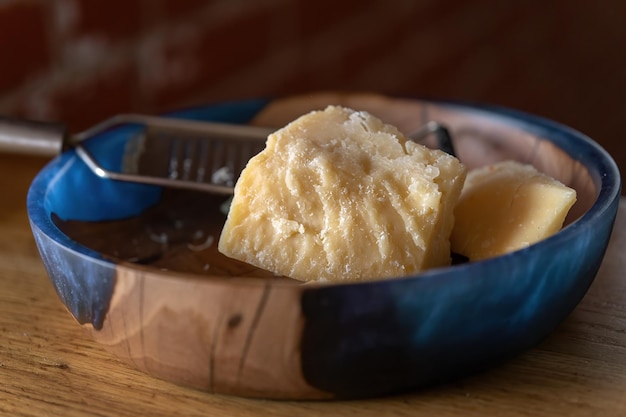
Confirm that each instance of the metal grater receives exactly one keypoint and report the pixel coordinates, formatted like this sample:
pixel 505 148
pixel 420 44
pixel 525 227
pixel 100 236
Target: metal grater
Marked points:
pixel 204 156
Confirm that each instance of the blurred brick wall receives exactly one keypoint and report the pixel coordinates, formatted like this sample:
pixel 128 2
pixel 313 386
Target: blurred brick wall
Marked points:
pixel 79 61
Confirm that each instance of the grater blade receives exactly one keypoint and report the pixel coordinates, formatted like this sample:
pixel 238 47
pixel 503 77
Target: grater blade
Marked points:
pixel 204 156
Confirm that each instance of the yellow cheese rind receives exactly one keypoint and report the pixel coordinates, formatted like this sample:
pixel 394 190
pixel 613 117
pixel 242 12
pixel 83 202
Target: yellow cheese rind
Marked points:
pixel 506 207
pixel 339 195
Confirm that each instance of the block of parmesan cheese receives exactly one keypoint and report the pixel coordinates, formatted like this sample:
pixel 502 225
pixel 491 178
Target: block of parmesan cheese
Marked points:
pixel 339 195
pixel 508 206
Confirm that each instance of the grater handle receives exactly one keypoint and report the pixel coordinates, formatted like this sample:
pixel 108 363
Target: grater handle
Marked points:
pixel 31 137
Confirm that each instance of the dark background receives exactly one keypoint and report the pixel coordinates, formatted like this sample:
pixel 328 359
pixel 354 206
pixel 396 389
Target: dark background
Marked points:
pixel 80 61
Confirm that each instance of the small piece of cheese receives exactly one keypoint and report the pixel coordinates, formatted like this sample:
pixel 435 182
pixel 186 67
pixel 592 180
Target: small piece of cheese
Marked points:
pixel 508 206
pixel 339 195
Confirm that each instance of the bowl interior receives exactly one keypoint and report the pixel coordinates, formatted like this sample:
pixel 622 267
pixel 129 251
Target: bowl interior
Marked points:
pixel 178 230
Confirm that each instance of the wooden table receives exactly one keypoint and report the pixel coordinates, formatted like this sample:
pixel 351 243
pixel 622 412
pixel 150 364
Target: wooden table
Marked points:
pixel 49 367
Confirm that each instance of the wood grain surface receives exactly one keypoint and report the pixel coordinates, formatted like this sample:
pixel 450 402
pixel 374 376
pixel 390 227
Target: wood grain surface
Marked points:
pixel 50 367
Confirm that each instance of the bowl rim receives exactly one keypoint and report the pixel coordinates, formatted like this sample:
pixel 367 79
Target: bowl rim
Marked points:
pixel 579 146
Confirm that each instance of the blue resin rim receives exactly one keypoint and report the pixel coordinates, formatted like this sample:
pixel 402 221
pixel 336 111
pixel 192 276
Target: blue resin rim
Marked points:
pixel 574 143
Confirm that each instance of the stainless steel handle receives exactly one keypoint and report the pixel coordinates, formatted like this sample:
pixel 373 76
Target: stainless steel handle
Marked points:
pixel 31 137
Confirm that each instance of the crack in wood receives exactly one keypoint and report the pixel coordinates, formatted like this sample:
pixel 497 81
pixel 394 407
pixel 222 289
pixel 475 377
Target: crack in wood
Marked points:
pixel 253 326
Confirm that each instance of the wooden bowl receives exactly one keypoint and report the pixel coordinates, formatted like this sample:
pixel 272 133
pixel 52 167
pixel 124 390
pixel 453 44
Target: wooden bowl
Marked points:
pixel 135 266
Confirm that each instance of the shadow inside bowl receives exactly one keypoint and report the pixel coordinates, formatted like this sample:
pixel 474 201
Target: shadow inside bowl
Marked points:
pixel 179 233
